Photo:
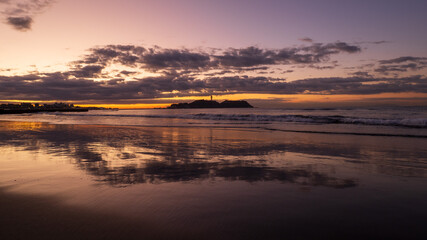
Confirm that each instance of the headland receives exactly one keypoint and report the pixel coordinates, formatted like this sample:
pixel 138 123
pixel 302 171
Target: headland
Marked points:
pixel 35 108
pixel 211 104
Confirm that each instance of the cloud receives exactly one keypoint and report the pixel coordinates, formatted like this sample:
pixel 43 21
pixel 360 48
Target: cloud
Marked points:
pixel 192 61
pixel 253 56
pixel 401 64
pixel 374 42
pixel 405 59
pixel 315 53
pixel 380 42
pixel 387 69
pixel 174 59
pixel 20 13
pixel 332 65
pixel 187 72
pixel 327 86
pixel 59 86
pixel 362 74
pixel 245 57
pixel 396 67
pixel 88 71
pixel 152 59
pixel 306 39
pixel 20 23
pixel 127 73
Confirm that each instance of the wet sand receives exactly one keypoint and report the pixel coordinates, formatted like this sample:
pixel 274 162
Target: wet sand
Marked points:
pixel 36 217
pixel 41 217
pixel 111 182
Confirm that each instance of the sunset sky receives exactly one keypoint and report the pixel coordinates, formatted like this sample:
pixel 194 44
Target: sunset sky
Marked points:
pixel 150 53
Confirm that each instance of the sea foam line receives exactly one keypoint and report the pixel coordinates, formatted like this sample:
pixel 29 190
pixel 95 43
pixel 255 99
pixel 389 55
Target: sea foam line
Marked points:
pixel 335 119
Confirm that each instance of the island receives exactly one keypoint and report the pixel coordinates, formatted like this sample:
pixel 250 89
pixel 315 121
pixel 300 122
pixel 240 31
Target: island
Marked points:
pixel 211 104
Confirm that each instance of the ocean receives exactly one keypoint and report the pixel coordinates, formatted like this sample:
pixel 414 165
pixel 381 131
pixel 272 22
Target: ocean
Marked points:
pixel 397 121
pixel 257 173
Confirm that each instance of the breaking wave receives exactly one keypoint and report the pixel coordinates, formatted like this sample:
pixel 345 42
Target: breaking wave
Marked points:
pixel 262 118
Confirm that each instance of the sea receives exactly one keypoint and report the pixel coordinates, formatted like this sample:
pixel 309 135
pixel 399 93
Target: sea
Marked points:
pixel 330 173
pixel 388 121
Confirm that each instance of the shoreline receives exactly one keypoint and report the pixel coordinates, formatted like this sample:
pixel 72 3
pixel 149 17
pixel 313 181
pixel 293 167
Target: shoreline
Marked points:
pixel 248 128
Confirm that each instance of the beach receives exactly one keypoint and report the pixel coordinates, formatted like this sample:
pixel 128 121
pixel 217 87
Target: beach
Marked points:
pixel 213 120
pixel 198 179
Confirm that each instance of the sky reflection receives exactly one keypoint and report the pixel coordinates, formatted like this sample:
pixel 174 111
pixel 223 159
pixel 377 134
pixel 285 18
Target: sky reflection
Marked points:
pixel 217 183
pixel 129 155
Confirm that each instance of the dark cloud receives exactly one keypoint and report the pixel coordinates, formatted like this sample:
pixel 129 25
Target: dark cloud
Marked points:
pixel 306 39
pixel 88 71
pixel 20 14
pixel 314 53
pixel 344 47
pixel 396 67
pixel 237 59
pixel 20 23
pixel 380 42
pixel 320 51
pixel 184 72
pixel 124 54
pixel 216 73
pixel 362 74
pixel 152 59
pixel 249 69
pixel 374 42
pixel 332 65
pixel 253 56
pixel 127 73
pixel 401 64
pixel 404 59
pixel 59 86
pixel 387 69
pixel 246 57
pixel 174 59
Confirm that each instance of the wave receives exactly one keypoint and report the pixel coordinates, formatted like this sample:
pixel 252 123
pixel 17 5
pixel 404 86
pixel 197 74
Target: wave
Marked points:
pixel 261 118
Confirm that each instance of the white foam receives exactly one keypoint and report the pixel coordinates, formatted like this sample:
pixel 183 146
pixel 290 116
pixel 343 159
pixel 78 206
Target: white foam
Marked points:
pixel 403 122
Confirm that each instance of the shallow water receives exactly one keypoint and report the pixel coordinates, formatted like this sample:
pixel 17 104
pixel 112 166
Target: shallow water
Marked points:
pixel 224 182
pixel 395 121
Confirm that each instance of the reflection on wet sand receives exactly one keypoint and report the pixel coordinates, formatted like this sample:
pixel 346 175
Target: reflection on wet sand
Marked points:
pixel 129 155
pixel 162 156
pixel 218 183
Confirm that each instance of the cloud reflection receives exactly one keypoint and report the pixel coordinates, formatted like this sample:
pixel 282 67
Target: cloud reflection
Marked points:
pixel 131 155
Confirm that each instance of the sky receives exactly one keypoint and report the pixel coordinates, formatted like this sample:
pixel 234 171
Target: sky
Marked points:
pixel 272 53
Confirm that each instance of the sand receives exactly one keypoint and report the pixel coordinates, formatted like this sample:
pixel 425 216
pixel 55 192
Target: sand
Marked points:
pixel 110 182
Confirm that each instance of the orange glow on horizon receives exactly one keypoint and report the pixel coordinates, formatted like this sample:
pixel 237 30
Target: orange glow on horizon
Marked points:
pixel 395 98
pixel 127 106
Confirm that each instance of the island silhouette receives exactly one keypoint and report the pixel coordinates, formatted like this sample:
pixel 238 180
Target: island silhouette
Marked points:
pixel 211 104
pixel 36 107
